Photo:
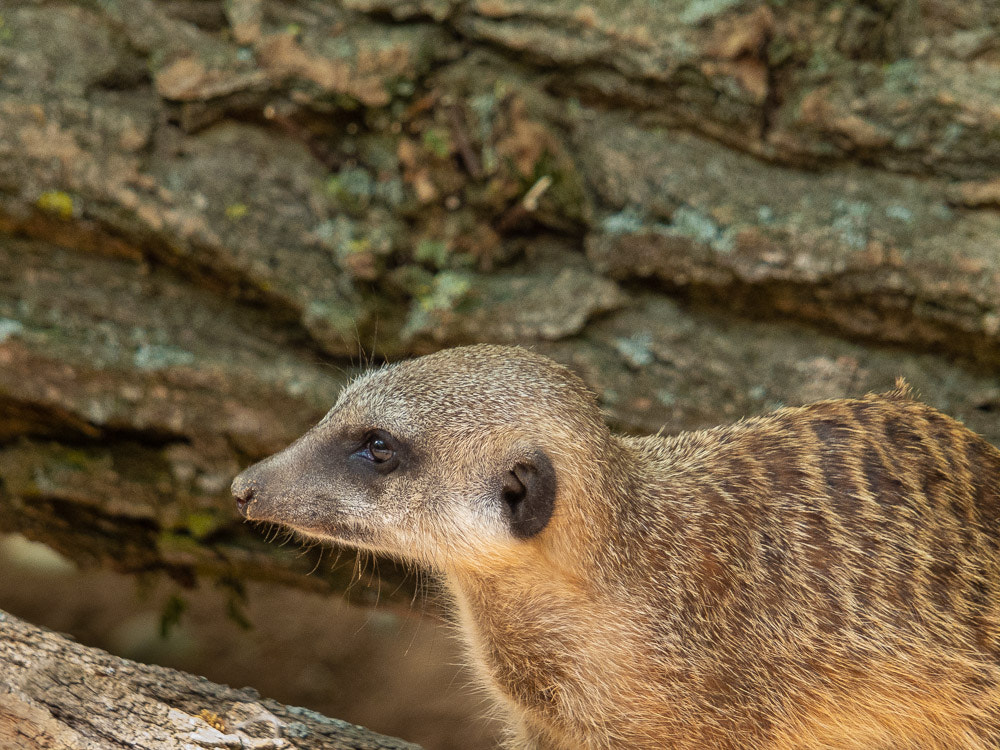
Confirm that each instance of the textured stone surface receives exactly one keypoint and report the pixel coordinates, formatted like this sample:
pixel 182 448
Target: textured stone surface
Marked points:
pixel 210 212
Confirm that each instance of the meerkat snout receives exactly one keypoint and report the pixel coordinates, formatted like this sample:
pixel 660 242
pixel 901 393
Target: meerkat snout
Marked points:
pixel 242 489
pixel 823 577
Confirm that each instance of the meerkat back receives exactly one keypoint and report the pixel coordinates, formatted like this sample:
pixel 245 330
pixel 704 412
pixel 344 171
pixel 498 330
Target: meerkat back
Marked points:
pixel 839 581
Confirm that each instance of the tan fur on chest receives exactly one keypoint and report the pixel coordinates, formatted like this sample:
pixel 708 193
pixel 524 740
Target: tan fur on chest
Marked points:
pixel 549 655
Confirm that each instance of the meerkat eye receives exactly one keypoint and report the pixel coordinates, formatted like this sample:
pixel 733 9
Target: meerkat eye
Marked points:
pixel 379 449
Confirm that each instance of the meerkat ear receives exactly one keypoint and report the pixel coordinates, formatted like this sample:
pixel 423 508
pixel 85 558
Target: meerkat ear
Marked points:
pixel 528 492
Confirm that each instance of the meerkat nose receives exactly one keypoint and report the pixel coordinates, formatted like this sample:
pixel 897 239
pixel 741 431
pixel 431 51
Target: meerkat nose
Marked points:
pixel 243 491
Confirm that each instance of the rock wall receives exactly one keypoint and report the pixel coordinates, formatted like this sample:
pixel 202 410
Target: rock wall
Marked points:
pixel 212 214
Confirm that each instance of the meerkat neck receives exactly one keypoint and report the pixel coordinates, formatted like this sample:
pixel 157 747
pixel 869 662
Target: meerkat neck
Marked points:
pixel 595 504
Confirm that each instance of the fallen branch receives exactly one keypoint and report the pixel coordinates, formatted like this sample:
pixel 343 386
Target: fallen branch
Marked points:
pixel 60 695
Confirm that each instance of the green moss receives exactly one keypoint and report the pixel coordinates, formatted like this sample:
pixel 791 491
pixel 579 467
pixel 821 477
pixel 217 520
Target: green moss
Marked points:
pixel 346 102
pixel 432 252
pixel 76 459
pixel 236 211
pixel 359 245
pixel 56 202
pixel 437 142
pixel 352 188
pixel 449 290
pixel 447 293
pixel 201 523
pixel 178 544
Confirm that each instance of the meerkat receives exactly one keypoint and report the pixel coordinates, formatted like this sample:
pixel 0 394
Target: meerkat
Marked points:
pixel 825 576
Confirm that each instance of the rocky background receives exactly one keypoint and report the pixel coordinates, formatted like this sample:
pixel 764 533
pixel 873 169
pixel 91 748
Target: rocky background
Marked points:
pixel 214 213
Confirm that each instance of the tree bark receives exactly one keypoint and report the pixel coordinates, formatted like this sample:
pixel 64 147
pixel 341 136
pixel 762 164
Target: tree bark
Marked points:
pixel 59 695
pixel 209 211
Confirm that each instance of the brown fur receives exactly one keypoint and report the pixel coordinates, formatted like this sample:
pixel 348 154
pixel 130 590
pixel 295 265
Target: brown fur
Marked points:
pixel 822 577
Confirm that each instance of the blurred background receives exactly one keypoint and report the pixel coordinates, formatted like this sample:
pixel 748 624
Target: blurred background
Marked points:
pixel 212 214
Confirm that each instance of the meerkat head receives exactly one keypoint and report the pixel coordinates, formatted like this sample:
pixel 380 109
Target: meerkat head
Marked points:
pixel 441 459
